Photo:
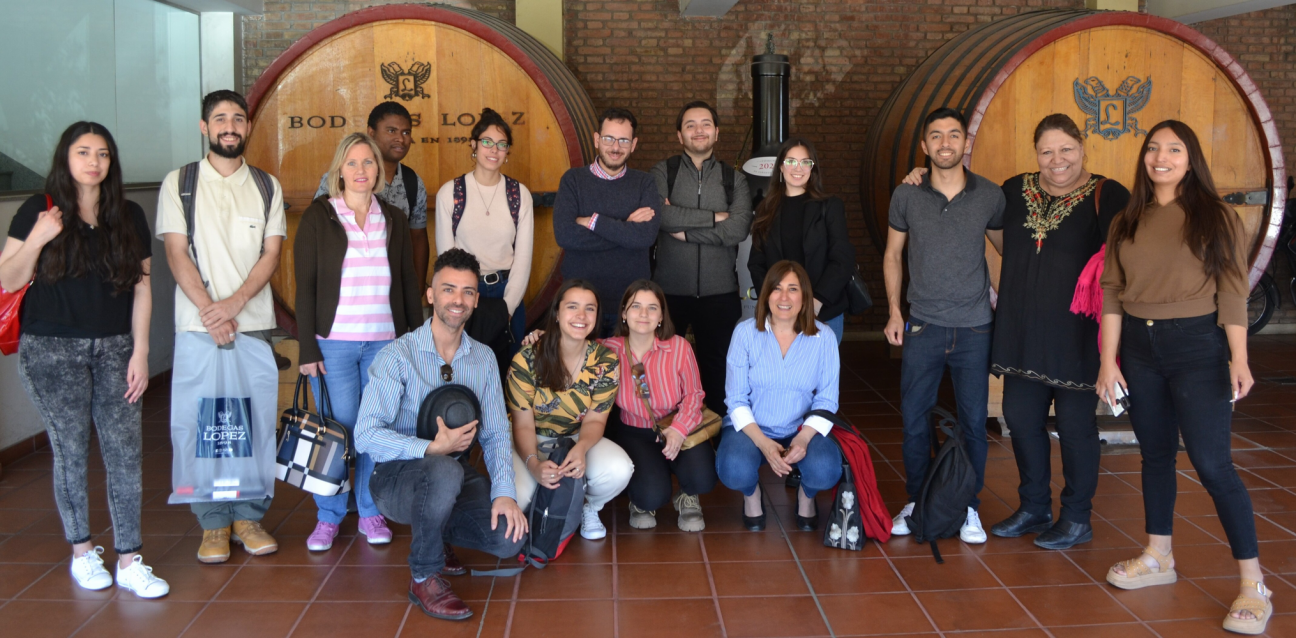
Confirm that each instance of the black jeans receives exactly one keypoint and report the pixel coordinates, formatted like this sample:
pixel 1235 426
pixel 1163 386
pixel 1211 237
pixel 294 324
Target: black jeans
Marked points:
pixel 1025 408
pixel 650 485
pixel 1178 377
pixel 443 500
pixel 713 318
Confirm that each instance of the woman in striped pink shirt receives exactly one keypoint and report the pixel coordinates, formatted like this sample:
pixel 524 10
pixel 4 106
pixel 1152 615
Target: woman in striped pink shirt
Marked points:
pixel 356 292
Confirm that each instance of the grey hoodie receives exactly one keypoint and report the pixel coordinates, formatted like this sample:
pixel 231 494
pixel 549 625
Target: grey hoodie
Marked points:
pixel 705 264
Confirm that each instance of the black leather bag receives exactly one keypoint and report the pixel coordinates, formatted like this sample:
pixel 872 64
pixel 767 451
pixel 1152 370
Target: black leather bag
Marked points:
pixel 844 528
pixel 941 506
pixel 857 294
pixel 456 404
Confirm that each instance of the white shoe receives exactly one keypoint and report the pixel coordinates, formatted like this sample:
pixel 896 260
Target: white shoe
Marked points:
pixel 972 532
pixel 899 526
pixel 139 578
pixel 89 572
pixel 591 527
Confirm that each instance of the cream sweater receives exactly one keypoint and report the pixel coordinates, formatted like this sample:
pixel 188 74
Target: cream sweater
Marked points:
pixel 490 235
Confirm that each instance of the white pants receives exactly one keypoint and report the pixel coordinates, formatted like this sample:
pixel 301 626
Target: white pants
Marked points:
pixel 607 472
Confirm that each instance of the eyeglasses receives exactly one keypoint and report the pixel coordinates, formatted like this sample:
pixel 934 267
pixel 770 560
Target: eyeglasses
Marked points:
pixel 490 143
pixel 791 162
pixel 447 373
pixel 640 377
pixel 609 140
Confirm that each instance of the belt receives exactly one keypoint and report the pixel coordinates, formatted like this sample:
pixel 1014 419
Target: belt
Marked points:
pixel 493 278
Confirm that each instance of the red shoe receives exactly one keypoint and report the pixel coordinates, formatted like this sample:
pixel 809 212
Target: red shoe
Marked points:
pixel 452 565
pixel 436 599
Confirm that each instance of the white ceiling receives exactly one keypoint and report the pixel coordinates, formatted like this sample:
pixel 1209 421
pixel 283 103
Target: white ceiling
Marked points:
pixel 1190 11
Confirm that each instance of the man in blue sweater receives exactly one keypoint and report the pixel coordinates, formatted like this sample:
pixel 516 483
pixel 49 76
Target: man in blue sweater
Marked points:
pixel 605 216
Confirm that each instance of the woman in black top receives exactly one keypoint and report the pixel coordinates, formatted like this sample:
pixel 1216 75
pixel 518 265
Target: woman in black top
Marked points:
pixel 83 353
pixel 799 222
pixel 1055 220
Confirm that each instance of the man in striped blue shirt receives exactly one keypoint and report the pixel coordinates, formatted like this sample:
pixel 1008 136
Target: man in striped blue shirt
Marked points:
pixel 417 482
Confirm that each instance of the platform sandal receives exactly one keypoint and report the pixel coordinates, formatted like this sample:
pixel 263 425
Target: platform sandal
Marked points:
pixel 1261 609
pixel 1138 575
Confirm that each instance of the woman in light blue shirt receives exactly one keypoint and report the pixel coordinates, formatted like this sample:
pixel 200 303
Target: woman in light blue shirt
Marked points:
pixel 781 365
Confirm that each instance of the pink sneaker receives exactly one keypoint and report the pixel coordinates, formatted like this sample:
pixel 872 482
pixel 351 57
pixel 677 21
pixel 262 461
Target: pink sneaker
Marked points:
pixel 322 538
pixel 375 529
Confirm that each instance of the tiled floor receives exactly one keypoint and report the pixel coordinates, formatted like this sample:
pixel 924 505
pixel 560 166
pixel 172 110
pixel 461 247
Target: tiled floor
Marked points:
pixel 723 582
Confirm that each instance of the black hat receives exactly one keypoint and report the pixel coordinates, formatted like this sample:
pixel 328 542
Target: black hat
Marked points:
pixel 456 404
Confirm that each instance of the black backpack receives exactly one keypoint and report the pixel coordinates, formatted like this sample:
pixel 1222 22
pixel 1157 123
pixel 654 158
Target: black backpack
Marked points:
pixel 950 485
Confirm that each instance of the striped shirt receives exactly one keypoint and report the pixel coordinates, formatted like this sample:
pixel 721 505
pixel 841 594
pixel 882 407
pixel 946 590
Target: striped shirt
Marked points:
pixel 403 374
pixel 674 384
pixel 774 391
pixel 364 300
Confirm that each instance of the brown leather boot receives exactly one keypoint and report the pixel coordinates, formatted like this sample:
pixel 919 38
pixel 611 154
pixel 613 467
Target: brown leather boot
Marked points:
pixel 215 546
pixel 254 538
pixel 453 567
pixel 436 599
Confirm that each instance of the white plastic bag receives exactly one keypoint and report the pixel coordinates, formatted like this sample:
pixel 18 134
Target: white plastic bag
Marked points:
pixel 223 404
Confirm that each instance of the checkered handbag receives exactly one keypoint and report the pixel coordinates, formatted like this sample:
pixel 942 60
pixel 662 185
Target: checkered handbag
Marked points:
pixel 315 451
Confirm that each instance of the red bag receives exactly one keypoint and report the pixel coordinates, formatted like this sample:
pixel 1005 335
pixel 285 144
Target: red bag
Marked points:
pixel 11 309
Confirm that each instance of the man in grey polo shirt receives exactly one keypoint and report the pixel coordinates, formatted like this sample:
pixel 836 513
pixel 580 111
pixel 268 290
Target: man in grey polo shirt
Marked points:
pixel 950 319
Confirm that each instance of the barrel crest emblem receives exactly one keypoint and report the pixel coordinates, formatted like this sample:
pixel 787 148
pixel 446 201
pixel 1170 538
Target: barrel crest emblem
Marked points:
pixel 406 85
pixel 1112 114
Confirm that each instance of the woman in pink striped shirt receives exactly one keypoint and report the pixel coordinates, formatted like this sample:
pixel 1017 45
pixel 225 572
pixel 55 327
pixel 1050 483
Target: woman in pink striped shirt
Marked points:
pixel 660 365
pixel 356 292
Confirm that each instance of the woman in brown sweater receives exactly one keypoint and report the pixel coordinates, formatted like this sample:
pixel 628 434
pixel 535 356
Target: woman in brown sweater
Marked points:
pixel 1175 289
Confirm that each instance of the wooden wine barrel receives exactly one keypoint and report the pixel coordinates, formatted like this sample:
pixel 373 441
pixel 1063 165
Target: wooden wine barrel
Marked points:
pixel 444 64
pixel 1116 73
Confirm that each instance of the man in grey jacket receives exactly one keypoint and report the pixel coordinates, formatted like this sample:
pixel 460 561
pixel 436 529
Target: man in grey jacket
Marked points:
pixel 707 214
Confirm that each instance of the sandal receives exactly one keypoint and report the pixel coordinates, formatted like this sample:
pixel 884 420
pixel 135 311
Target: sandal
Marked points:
pixel 1138 575
pixel 1260 608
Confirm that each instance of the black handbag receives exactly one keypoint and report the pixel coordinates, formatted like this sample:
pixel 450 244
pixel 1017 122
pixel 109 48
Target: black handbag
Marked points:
pixel 844 528
pixel 315 451
pixel 857 294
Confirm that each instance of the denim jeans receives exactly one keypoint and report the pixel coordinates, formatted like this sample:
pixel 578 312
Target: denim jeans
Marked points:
pixel 738 462
pixel 928 349
pixel 837 325
pixel 443 500
pixel 1178 377
pixel 517 323
pixel 77 384
pixel 347 366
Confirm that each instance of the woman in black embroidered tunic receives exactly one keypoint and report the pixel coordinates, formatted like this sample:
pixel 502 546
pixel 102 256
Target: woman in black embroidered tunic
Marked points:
pixel 1046 354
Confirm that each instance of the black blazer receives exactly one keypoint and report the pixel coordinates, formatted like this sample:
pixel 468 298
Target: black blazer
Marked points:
pixel 829 255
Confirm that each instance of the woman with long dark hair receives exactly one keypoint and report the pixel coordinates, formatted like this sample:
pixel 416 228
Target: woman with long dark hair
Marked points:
pixel 83 354
pixel 1174 310
pixel 798 221
pixel 564 385
pixel 490 215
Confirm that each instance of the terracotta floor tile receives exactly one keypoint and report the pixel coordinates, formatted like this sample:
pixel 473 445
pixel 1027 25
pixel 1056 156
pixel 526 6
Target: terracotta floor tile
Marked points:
pixel 35 548
pixel 15 521
pixel 811 547
pixel 15 577
pixel 766 578
pixel 245 620
pixel 59 585
pixel 194 581
pixel 960 571
pixel 657 548
pixel 126 617
pixel 1177 601
pixel 1073 605
pixel 352 619
pixel 750 547
pixel 271 583
pixel 1204 561
pixel 762 617
pixel 567 582
pixel 867 614
pixel 1225 590
pixel 1125 630
pixel 185 552
pixel 42 619
pixel 553 619
pixel 1002 633
pixel 974 609
pixel 1035 569
pixel 362 553
pixel 667 619
pixel 904 546
pixel 851 576
pixel 663 580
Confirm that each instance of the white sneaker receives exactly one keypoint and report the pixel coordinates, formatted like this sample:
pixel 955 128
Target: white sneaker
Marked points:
pixel 89 572
pixel 899 526
pixel 972 532
pixel 139 578
pixel 591 527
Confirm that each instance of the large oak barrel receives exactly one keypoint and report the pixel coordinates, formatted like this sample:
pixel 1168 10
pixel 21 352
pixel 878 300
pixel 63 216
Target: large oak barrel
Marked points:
pixel 1116 74
pixel 444 64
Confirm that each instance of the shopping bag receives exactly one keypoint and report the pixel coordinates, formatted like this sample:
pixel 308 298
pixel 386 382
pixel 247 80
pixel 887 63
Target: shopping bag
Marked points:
pixel 223 404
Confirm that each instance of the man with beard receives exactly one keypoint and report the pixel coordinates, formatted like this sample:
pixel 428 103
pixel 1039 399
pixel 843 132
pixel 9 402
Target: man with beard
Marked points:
pixel 605 216
pixel 392 128
pixel 707 214
pixel 221 283
pixel 417 482
pixel 946 220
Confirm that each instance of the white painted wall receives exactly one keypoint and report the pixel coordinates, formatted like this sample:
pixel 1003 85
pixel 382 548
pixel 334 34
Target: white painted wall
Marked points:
pixel 18 417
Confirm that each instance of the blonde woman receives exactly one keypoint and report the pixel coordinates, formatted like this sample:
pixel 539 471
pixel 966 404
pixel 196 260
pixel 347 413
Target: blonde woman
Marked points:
pixel 356 292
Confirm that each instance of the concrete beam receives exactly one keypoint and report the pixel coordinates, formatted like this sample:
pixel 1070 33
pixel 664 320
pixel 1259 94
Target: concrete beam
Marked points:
pixel 705 8
pixel 543 20
pixel 1112 5
pixel 1190 11
pixel 241 7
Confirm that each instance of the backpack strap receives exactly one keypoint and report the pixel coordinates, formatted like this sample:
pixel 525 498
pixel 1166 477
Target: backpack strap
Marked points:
pixel 411 181
pixel 188 187
pixel 672 171
pixel 513 193
pixel 265 185
pixel 460 201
